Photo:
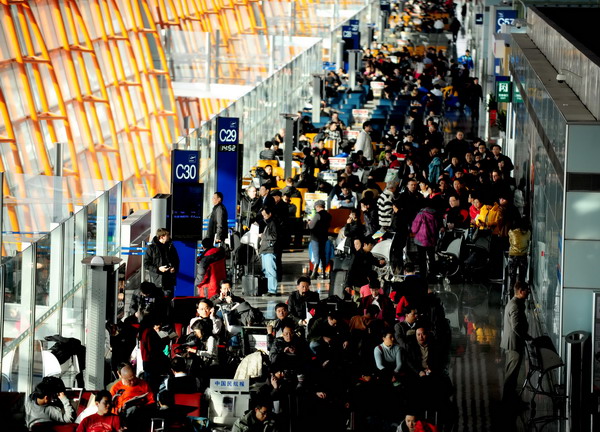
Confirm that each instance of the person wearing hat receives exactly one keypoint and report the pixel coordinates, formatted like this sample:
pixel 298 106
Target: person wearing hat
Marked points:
pixel 319 234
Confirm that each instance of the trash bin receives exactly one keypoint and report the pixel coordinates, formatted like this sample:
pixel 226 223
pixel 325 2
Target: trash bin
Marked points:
pixel 579 378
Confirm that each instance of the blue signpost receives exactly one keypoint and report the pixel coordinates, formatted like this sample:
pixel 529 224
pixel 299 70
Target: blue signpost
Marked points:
pixel 186 215
pixel 228 138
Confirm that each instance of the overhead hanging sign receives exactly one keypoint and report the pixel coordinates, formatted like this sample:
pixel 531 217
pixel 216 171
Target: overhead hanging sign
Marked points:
pixel 505 16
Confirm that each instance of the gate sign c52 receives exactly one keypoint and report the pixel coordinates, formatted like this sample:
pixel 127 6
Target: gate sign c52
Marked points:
pixel 503 91
pixel 228 134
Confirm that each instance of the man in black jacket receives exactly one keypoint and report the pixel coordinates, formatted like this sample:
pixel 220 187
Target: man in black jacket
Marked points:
pixel 319 232
pixel 148 299
pixel 162 262
pixel 217 224
pixel 298 299
pixel 267 251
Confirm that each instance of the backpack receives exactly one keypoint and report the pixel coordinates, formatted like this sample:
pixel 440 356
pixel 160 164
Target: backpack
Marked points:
pixel 246 315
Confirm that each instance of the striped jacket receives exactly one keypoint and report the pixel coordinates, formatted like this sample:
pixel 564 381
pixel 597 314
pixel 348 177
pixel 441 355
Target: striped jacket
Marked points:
pixel 384 207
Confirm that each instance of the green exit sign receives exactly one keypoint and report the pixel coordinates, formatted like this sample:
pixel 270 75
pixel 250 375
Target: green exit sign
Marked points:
pixel 503 91
pixel 517 95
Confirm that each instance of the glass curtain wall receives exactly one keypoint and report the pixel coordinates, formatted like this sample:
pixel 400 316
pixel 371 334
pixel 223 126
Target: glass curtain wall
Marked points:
pixel 44 288
pixel 541 181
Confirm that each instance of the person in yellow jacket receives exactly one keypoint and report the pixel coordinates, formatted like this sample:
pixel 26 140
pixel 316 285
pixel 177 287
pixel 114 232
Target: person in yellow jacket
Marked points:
pixel 519 239
pixel 489 218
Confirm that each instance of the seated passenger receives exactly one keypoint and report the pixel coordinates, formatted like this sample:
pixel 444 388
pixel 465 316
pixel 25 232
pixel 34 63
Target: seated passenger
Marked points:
pixel 268 153
pixel 148 299
pixel 456 216
pixel 298 300
pixel 225 299
pixel 345 199
pixel 423 358
pixel 180 382
pixel 202 343
pixel 411 291
pixel 133 398
pixel 266 176
pixel 104 420
pixel 388 360
pixel 40 412
pixel 205 309
pixel 289 352
pixel 329 336
pixel 384 303
pixel 405 331
pixel 365 335
pixel 412 423
pixel 258 419
pixel 275 327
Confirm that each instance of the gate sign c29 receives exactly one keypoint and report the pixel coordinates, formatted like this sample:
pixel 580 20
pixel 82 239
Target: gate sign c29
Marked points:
pixel 228 129
pixel 505 16
pixel 184 166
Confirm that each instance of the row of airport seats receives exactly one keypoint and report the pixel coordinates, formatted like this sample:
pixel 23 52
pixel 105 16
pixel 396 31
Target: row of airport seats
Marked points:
pixel 387 113
pixel 344 103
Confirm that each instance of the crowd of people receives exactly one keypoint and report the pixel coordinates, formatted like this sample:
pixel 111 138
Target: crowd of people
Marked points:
pixel 375 357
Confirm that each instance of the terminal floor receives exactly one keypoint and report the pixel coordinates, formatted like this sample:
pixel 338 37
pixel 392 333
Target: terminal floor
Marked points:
pixel 477 365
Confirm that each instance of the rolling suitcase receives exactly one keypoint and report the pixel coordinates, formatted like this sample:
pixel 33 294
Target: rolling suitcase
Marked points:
pixel 250 285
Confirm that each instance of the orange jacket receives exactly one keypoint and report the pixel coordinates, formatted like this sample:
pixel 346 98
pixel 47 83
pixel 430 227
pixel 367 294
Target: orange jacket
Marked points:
pixel 130 392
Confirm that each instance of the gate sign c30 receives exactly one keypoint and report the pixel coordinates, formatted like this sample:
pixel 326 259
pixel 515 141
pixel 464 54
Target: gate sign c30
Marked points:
pixel 184 165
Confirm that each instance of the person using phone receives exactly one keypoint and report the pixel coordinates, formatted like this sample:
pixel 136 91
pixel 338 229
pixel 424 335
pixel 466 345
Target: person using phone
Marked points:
pixel 162 262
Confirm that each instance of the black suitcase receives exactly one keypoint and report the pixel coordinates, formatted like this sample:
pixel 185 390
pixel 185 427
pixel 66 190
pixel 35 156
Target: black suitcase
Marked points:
pixel 338 283
pixel 250 285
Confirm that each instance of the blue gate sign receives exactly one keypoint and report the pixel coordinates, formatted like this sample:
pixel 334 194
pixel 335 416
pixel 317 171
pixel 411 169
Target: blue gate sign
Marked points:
pixel 228 139
pixel 184 166
pixel 505 16
pixel 228 134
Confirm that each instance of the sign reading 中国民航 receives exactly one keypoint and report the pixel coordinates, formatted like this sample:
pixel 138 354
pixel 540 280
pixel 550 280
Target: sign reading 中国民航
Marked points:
pixel 226 385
